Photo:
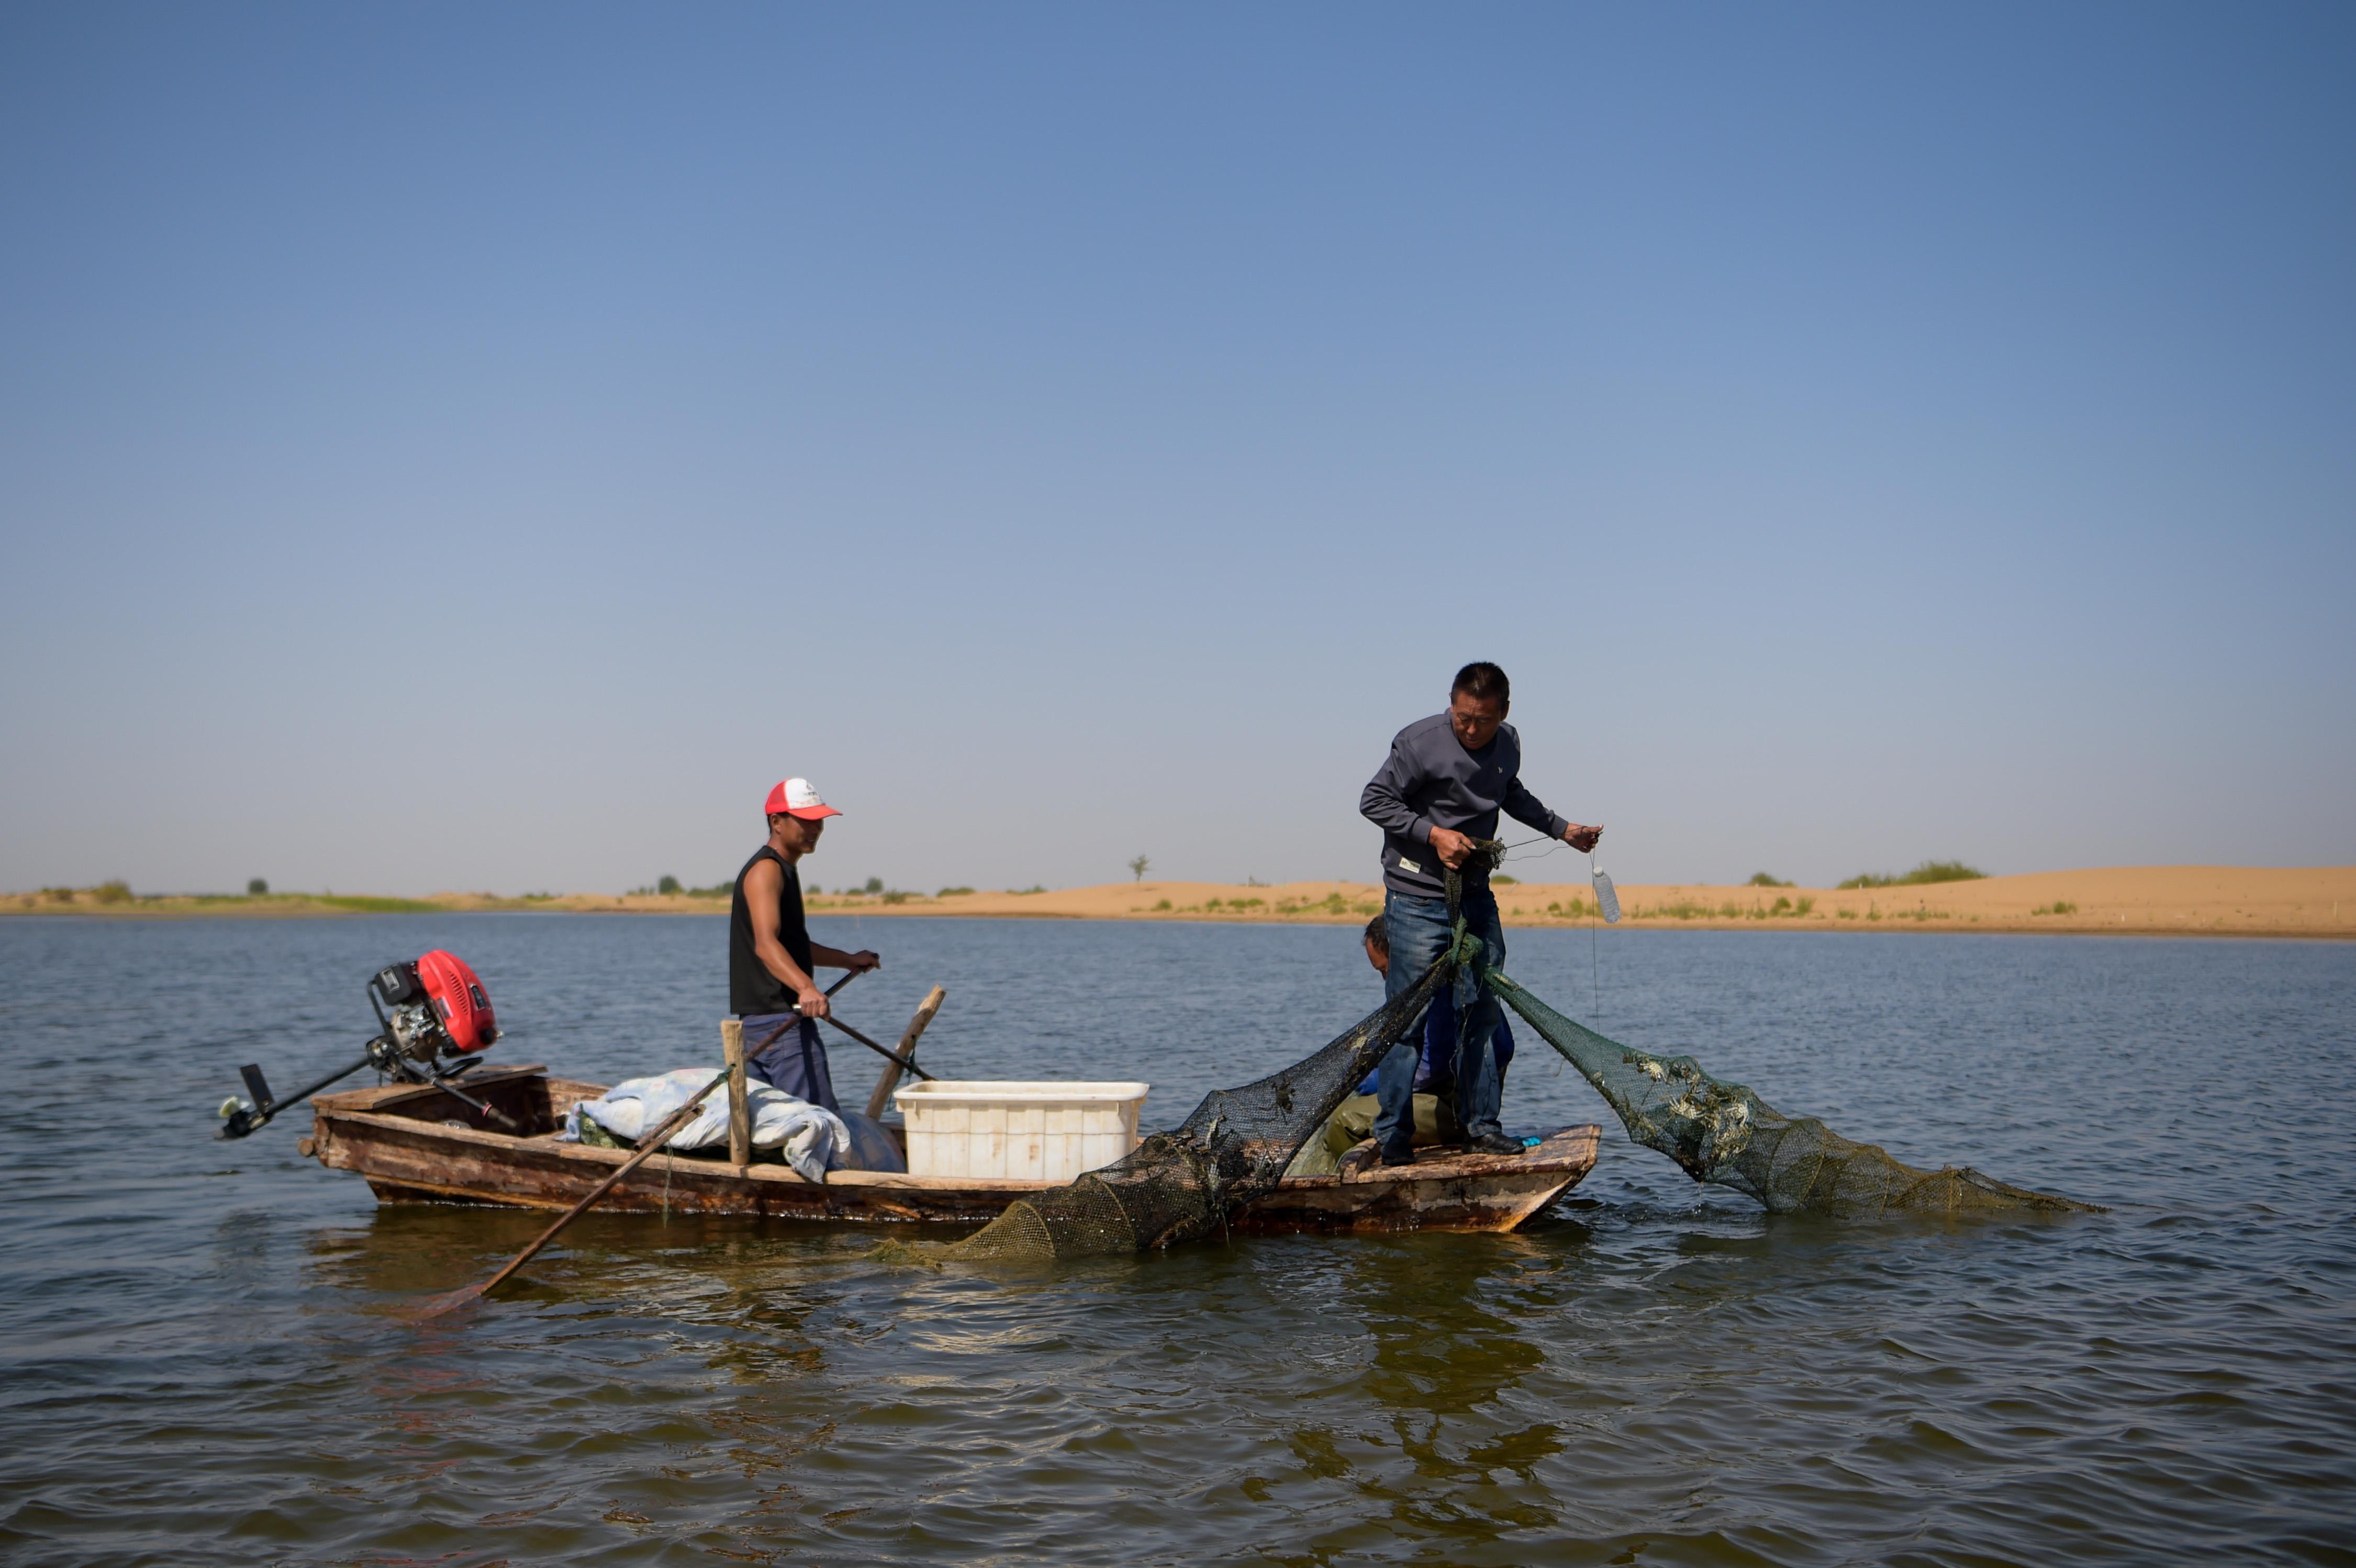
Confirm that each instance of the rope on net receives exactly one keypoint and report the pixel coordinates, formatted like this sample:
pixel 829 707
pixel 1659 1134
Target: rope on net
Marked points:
pixel 1234 1146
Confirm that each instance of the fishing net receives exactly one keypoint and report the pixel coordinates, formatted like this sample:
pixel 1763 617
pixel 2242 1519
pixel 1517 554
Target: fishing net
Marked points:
pixel 1178 1185
pixel 1722 1133
pixel 1234 1148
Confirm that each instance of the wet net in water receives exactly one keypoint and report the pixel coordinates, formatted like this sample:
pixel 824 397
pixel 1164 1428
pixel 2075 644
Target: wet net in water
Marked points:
pixel 1723 1134
pixel 1178 1185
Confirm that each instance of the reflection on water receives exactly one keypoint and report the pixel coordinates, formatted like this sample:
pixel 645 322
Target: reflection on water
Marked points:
pixel 207 1359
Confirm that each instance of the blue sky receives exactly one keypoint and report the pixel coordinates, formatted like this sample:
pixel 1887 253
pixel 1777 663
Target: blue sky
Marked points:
pixel 484 447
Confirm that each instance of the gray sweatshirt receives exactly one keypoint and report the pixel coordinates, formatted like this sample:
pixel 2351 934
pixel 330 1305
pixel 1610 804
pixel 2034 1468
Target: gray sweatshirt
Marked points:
pixel 1432 781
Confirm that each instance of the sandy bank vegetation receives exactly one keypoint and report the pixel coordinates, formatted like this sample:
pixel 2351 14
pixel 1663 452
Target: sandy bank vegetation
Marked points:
pixel 2204 901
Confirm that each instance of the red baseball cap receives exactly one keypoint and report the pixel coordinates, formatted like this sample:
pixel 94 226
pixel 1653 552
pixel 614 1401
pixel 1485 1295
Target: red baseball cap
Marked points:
pixel 795 797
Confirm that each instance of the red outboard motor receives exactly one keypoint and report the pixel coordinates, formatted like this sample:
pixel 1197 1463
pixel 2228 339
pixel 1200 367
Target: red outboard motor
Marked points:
pixel 435 1006
pixel 435 1017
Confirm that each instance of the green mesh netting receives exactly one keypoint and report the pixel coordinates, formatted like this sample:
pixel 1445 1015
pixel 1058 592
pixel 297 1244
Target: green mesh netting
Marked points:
pixel 1722 1133
pixel 1178 1185
pixel 1234 1148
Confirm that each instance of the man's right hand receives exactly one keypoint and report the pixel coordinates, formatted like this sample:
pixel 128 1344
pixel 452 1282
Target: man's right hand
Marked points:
pixel 1452 847
pixel 811 1003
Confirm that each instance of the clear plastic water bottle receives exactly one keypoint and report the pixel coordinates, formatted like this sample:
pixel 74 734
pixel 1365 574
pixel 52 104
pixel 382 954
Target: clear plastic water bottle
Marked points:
pixel 1607 897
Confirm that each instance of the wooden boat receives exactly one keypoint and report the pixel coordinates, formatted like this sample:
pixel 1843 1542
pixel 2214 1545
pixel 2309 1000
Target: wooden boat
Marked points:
pixel 417 1145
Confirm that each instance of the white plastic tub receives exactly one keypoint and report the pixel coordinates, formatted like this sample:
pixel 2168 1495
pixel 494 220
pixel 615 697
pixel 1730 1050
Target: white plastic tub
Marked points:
pixel 1047 1131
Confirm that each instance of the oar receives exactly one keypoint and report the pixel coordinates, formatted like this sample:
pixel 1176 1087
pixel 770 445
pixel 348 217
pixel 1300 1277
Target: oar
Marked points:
pixel 647 1147
pixel 883 1051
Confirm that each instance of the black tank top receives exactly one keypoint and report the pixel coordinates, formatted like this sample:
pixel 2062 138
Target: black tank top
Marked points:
pixel 753 991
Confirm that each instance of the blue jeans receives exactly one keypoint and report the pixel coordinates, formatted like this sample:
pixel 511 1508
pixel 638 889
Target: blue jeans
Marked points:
pixel 1419 932
pixel 795 1061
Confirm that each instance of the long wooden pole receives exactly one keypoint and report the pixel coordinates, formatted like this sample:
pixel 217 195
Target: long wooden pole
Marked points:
pixel 883 1051
pixel 647 1147
pixel 878 1101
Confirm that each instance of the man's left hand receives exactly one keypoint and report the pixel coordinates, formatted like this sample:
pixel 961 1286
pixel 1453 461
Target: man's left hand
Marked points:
pixel 863 961
pixel 1581 837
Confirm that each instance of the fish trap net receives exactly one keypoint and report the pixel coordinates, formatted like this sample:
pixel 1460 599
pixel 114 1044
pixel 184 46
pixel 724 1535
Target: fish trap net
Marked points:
pixel 1723 1134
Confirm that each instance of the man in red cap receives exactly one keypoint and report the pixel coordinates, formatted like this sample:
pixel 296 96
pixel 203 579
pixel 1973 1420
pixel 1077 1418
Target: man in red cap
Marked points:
pixel 770 954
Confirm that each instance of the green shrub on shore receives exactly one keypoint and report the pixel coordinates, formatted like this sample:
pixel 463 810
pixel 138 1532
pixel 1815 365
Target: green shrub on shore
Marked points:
pixel 2058 906
pixel 1765 879
pixel 113 891
pixel 1929 871
pixel 376 906
pixel 953 894
pixel 1683 909
pixel 1803 906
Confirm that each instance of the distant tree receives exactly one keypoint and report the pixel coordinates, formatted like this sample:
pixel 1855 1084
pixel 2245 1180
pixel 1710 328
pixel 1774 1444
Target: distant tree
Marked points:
pixel 874 884
pixel 667 885
pixel 256 889
pixel 1765 879
pixel 1138 868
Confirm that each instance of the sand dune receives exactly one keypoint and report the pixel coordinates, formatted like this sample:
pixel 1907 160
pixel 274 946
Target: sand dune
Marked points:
pixel 2141 900
pixel 2202 901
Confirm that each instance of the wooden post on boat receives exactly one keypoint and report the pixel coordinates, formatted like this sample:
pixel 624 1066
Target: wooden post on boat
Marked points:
pixel 891 1078
pixel 739 1116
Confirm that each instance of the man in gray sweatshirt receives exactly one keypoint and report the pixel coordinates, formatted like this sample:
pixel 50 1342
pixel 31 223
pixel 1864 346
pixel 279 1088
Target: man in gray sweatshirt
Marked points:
pixel 1446 778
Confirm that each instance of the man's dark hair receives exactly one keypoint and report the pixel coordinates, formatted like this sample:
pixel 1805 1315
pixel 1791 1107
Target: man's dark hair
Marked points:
pixel 1482 682
pixel 1378 935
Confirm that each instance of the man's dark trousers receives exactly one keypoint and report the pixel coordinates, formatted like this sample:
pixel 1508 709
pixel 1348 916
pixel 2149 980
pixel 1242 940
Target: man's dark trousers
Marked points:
pixel 794 1062
pixel 1420 933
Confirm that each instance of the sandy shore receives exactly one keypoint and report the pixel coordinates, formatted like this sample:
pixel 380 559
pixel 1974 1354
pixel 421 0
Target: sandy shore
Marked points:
pixel 2188 901
pixel 2138 899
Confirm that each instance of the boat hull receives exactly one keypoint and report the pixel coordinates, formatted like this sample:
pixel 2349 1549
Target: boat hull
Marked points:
pixel 418 1145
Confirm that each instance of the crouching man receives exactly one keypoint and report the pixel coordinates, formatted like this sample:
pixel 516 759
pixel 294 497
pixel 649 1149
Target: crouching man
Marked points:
pixel 770 954
pixel 1434 1103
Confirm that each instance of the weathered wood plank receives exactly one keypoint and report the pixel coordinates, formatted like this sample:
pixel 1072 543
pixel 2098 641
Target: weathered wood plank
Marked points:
pixel 740 1112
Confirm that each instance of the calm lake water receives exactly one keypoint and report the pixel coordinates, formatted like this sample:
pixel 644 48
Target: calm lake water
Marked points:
pixel 201 1360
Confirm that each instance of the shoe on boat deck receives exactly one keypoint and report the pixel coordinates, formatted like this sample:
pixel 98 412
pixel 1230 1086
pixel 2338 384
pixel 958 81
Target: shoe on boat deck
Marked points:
pixel 1493 1142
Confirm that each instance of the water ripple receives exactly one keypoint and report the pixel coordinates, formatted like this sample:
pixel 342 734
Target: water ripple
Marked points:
pixel 202 1357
